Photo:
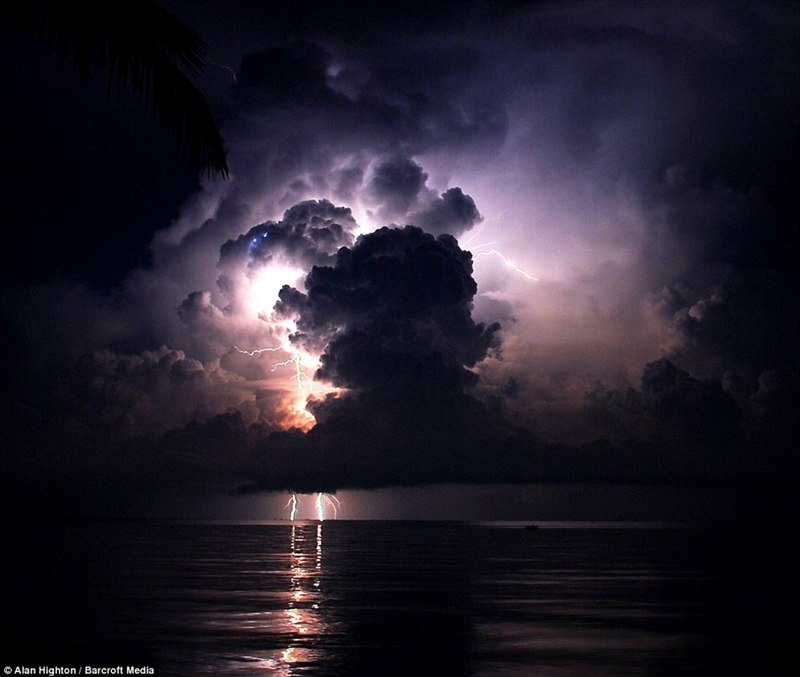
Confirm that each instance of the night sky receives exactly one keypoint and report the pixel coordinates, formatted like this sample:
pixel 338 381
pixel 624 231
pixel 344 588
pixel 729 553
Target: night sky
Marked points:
pixel 510 260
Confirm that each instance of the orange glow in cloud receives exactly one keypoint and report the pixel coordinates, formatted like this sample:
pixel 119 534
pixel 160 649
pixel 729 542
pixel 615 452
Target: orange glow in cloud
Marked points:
pixel 297 384
pixel 298 365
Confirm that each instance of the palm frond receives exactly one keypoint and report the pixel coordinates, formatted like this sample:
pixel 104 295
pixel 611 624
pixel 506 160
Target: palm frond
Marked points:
pixel 145 49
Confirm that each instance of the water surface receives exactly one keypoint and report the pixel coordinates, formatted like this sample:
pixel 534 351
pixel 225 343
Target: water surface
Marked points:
pixel 402 598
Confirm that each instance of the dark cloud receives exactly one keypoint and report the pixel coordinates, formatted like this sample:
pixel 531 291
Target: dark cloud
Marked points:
pixel 395 185
pixel 312 117
pixel 282 77
pixel 398 187
pixel 151 392
pixel 687 410
pixel 394 318
pixel 453 213
pixel 403 282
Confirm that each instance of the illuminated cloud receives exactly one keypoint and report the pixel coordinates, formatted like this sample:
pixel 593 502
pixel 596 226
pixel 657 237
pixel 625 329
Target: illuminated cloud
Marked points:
pixel 613 185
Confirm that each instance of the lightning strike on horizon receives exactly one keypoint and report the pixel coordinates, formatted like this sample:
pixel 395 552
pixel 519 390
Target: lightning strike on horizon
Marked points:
pixel 292 503
pixel 328 500
pixel 322 500
pixel 322 503
pixel 304 383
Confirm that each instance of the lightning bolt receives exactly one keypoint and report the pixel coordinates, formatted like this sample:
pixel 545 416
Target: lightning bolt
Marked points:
pixel 292 503
pixel 480 228
pixel 251 353
pixel 326 500
pixel 334 504
pixel 494 251
pixel 322 500
pixel 510 264
pixel 227 68
pixel 296 360
pixel 325 504
pixel 299 373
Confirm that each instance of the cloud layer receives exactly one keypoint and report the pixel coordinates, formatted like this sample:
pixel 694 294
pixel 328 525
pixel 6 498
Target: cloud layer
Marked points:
pixel 516 242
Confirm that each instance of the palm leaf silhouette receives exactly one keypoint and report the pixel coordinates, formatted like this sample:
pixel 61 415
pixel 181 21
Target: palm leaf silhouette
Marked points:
pixel 145 49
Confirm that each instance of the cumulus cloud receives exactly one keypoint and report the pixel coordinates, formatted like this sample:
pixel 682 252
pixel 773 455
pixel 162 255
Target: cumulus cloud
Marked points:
pixel 392 318
pixel 453 212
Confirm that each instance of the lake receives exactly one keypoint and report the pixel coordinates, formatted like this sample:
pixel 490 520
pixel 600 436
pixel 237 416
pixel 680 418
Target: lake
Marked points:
pixel 340 598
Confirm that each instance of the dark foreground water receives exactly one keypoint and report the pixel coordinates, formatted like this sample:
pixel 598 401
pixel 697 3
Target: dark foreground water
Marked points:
pixel 401 598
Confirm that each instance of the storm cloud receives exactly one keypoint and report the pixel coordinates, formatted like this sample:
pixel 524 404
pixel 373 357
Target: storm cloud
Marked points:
pixel 477 242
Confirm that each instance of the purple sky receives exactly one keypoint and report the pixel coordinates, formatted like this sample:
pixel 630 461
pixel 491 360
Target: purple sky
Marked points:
pixel 598 288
